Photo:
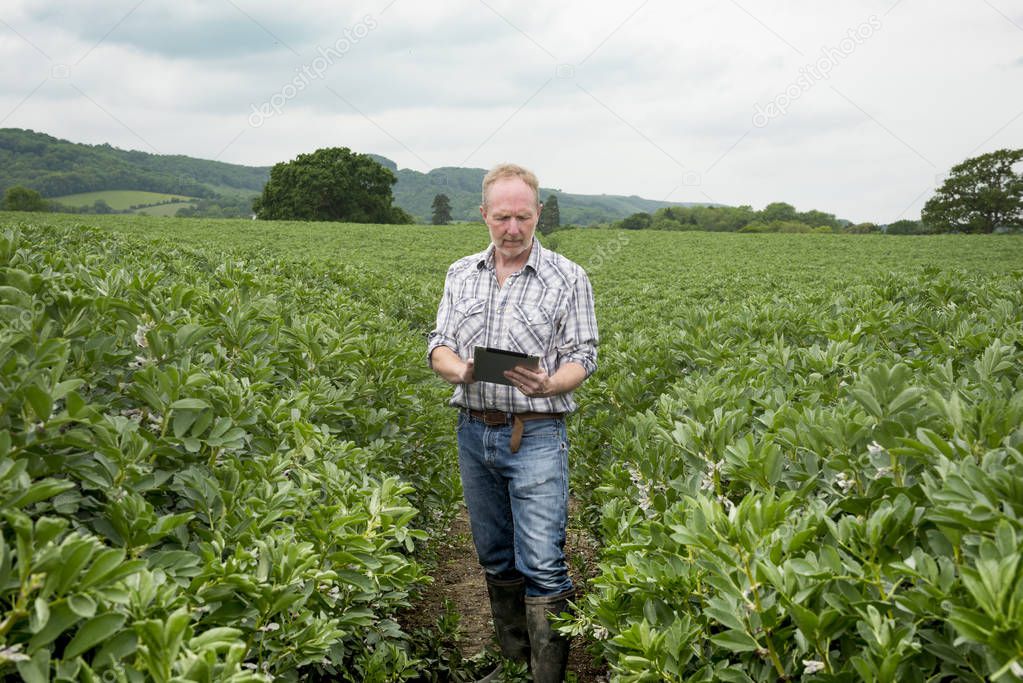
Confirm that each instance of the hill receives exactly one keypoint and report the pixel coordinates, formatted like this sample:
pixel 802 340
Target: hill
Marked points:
pixel 55 167
pixel 415 191
pixel 58 168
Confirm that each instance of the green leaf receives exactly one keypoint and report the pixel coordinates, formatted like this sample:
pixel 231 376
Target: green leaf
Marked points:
pixel 105 563
pixel 41 490
pixel 183 419
pixel 736 641
pixel 217 638
pixel 37 669
pixel 40 400
pixel 82 605
pixel 61 619
pixel 116 649
pixel 93 632
pixel 64 388
pixel 190 404
pixel 39 616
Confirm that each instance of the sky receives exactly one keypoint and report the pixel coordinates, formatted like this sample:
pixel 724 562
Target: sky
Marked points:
pixel 858 109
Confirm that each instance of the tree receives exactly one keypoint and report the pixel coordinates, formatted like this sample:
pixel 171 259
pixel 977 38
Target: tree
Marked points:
pixel 979 195
pixel 778 211
pixel 330 184
pixel 101 206
pixel 441 210
pixel 550 216
pixel 637 221
pixel 19 198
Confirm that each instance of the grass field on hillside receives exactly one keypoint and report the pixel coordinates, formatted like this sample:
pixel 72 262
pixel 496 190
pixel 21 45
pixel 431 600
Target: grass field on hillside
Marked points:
pixel 118 200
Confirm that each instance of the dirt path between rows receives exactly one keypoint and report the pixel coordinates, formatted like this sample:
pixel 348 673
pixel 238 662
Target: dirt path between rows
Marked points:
pixel 458 577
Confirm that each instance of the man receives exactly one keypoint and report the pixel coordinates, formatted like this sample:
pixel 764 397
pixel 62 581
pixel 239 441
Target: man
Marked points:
pixel 512 444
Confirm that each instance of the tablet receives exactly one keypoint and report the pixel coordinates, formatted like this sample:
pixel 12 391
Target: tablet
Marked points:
pixel 489 364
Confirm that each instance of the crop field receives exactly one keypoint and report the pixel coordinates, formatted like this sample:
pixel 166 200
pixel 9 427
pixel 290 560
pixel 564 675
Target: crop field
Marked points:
pixel 222 456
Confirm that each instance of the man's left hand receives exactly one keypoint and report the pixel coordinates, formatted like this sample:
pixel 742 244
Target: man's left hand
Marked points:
pixel 532 383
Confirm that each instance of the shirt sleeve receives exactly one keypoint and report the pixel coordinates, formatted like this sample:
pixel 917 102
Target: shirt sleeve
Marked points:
pixel 578 343
pixel 443 333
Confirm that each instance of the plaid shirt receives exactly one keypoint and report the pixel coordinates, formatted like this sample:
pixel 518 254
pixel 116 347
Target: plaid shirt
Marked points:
pixel 545 309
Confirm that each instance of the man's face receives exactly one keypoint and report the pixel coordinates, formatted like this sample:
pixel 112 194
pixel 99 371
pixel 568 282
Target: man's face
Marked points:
pixel 511 214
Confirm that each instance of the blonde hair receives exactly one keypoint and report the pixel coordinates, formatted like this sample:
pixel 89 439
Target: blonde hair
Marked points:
pixel 502 171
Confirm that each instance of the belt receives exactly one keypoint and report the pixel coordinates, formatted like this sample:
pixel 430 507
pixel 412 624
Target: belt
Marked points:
pixel 494 418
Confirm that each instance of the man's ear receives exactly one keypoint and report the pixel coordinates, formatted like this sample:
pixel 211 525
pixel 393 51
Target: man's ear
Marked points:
pixel 483 211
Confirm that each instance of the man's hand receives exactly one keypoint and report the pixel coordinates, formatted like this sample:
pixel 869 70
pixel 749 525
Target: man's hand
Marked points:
pixel 532 383
pixel 466 376
pixel 538 384
pixel 453 369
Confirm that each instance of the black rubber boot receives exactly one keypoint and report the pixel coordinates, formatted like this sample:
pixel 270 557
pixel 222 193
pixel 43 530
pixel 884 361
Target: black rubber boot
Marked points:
pixel 549 656
pixel 507 604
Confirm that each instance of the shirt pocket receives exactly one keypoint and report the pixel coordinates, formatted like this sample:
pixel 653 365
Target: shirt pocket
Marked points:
pixel 530 330
pixel 470 323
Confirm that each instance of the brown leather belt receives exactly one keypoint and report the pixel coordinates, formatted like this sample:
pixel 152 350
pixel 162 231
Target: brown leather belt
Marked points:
pixel 494 418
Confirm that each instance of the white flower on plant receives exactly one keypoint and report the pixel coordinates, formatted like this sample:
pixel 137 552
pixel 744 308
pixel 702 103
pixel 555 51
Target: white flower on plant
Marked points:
pixel 844 482
pixel 272 626
pixel 600 633
pixel 642 487
pixel 875 448
pixel 1016 668
pixel 13 654
pixel 727 502
pixel 713 468
pixel 812 666
pixel 140 334
pixel 882 472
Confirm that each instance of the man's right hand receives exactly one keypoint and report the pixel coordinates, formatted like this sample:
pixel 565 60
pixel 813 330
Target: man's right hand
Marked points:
pixel 450 367
pixel 466 377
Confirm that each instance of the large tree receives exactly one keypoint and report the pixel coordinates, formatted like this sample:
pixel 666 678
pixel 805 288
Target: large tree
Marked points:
pixel 441 210
pixel 550 216
pixel 979 195
pixel 331 184
pixel 20 198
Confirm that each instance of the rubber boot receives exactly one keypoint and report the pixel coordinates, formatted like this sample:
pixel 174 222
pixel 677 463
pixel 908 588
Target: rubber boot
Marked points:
pixel 549 649
pixel 507 604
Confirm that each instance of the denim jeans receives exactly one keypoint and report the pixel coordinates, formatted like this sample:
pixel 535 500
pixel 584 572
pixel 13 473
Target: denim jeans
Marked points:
pixel 518 502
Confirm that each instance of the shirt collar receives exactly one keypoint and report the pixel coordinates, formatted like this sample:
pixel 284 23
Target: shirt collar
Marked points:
pixel 487 257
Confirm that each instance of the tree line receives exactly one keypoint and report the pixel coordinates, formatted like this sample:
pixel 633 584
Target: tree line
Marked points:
pixel 980 195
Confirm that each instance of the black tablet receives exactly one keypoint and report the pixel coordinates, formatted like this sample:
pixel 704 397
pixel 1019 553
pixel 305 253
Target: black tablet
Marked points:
pixel 489 364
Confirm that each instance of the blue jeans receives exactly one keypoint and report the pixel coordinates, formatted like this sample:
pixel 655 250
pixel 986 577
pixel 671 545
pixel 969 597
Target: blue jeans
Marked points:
pixel 518 502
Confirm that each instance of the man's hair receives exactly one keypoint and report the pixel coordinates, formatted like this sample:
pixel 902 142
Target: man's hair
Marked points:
pixel 502 171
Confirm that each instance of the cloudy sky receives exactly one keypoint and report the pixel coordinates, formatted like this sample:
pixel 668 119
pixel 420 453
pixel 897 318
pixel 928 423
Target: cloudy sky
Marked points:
pixel 857 108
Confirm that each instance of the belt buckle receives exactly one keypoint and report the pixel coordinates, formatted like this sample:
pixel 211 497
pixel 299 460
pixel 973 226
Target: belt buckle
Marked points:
pixel 498 418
